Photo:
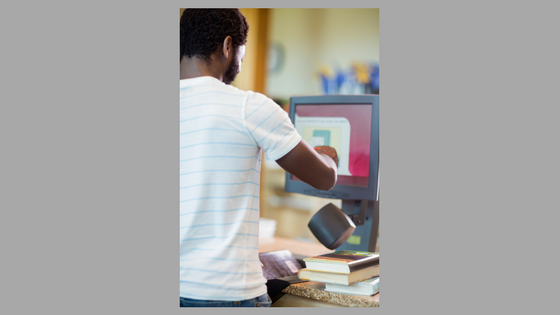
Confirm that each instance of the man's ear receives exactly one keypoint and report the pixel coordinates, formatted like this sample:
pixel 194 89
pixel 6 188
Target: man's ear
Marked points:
pixel 227 47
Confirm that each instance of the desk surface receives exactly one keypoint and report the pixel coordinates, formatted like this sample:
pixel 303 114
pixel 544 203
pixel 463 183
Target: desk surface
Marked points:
pixel 316 291
pixel 289 300
pixel 311 293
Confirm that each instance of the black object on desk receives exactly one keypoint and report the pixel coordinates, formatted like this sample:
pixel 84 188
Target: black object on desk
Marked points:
pixel 280 268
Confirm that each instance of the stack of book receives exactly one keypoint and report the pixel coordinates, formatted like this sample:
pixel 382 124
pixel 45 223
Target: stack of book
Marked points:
pixel 347 271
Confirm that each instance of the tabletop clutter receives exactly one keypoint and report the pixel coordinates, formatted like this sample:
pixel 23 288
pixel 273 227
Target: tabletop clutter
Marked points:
pixel 345 272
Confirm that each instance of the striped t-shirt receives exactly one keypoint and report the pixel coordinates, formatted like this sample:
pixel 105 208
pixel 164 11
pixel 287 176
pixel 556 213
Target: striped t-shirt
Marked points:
pixel 222 133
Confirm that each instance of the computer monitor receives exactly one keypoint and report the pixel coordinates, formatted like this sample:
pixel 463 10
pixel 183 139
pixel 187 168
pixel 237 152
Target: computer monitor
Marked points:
pixel 350 124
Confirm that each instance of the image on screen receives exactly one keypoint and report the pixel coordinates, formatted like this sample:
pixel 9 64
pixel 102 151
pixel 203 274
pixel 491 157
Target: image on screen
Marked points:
pixel 345 127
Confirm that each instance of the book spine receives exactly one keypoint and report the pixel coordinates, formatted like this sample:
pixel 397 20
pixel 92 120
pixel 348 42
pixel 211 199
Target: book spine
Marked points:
pixel 320 276
pixel 362 264
pixel 337 288
pixel 376 287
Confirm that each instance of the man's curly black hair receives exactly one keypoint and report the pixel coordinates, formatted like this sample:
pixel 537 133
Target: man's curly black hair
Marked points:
pixel 204 30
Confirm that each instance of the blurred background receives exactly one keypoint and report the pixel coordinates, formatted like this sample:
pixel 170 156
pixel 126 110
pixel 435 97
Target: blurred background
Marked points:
pixel 293 52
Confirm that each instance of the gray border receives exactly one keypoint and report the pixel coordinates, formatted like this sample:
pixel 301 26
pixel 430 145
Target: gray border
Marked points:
pixel 468 145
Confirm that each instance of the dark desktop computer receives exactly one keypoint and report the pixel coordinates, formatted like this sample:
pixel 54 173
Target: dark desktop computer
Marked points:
pixel 350 124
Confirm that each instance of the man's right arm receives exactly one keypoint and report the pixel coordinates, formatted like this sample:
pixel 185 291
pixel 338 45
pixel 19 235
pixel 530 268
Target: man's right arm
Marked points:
pixel 316 168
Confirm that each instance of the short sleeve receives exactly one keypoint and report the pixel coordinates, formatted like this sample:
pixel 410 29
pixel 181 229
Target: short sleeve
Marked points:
pixel 270 126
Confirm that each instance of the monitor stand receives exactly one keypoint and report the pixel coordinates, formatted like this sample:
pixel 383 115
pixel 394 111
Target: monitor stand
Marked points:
pixel 365 215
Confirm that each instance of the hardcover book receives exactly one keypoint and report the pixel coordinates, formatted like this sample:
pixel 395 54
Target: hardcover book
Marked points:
pixel 365 287
pixel 338 277
pixel 345 261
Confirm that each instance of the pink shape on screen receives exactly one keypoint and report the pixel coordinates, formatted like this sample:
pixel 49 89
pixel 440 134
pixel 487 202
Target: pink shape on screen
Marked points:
pixel 359 117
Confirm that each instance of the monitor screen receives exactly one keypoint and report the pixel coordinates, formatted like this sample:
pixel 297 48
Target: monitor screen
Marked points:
pixel 345 127
pixel 350 124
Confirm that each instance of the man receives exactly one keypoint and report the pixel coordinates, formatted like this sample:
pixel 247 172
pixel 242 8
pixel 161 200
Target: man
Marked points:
pixel 223 133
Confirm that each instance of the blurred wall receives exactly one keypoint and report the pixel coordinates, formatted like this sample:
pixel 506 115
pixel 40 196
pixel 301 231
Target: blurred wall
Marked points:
pixel 253 69
pixel 312 38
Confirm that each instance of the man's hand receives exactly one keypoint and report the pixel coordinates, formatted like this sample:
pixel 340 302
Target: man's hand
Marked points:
pixel 329 151
pixel 316 167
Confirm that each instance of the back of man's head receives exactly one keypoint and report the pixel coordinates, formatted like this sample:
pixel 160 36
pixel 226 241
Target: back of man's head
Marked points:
pixel 204 30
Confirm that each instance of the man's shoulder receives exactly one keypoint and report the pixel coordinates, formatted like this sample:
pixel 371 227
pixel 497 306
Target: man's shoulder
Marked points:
pixel 256 98
pixel 252 98
pixel 209 84
pixel 230 89
pixel 234 90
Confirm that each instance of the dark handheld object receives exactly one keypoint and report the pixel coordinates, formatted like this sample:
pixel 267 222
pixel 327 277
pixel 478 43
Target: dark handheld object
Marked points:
pixel 331 226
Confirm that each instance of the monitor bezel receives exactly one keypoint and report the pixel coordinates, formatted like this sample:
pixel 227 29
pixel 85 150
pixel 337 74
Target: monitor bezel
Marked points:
pixel 339 191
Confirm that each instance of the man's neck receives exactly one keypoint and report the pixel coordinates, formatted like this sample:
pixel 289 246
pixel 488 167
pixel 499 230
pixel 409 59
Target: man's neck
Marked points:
pixel 195 67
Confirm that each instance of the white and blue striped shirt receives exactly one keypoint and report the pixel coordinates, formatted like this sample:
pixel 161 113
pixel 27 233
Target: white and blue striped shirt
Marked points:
pixel 222 133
